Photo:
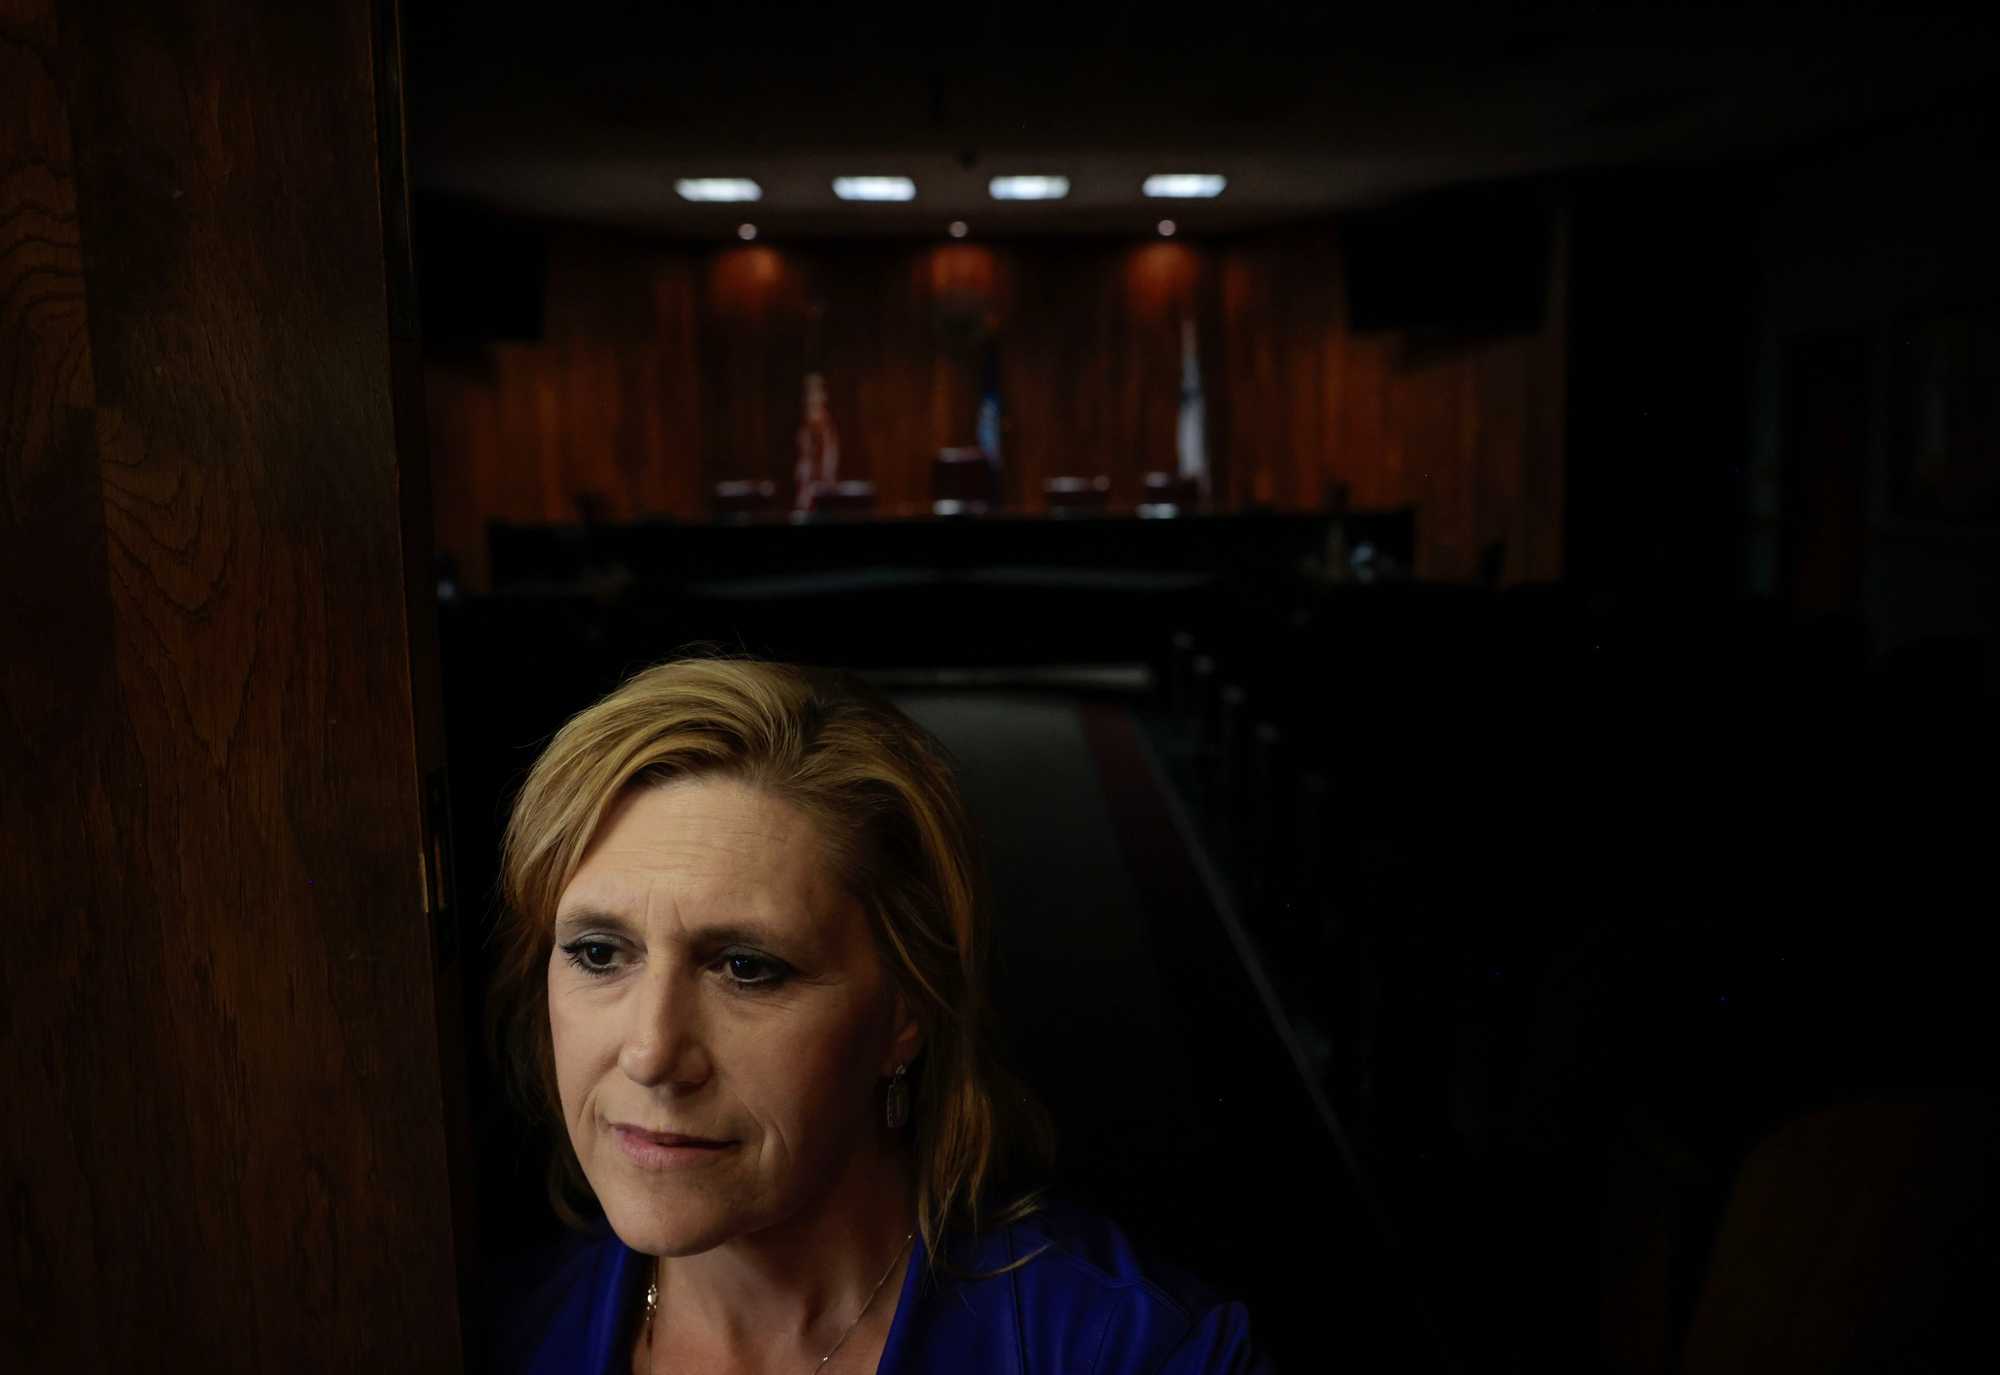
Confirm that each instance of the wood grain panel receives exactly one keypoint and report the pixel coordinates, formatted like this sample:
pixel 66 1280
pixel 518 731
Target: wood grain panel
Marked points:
pixel 1468 430
pixel 1545 434
pixel 1089 339
pixel 227 1143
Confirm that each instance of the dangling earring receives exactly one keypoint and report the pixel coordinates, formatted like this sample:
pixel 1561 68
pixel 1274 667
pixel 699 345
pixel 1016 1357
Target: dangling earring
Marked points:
pixel 899 1098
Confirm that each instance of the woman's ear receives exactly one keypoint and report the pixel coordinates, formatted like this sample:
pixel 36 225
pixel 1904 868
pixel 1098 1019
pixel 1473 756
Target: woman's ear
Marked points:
pixel 907 1037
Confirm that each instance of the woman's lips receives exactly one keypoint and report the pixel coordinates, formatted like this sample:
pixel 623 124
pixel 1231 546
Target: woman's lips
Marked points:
pixel 667 1150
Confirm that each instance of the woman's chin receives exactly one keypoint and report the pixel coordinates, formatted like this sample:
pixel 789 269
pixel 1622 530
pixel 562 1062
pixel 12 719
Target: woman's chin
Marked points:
pixel 645 1220
pixel 644 1229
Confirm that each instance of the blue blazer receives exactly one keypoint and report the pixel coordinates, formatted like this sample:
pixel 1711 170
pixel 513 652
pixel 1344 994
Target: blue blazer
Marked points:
pixel 1087 1304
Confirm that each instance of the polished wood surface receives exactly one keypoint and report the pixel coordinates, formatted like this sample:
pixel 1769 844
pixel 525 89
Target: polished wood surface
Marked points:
pixel 667 367
pixel 1469 431
pixel 225 1147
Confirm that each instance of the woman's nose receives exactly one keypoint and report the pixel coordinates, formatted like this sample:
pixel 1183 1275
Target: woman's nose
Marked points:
pixel 663 1040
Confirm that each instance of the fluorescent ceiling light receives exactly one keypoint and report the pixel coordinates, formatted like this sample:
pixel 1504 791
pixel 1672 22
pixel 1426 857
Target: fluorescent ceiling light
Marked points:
pixel 1028 188
pixel 719 189
pixel 1184 185
pixel 875 188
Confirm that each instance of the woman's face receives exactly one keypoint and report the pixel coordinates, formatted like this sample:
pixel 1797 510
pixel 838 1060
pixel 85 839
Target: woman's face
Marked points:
pixel 710 979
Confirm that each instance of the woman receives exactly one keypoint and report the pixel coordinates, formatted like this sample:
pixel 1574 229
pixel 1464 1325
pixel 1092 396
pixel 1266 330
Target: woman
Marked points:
pixel 743 965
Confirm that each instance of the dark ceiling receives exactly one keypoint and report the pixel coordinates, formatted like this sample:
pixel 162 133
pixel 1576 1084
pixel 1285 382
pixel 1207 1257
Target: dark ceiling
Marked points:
pixel 591 115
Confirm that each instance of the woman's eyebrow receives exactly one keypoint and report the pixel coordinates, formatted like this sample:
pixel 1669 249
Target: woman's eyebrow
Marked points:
pixel 706 935
pixel 579 918
pixel 741 933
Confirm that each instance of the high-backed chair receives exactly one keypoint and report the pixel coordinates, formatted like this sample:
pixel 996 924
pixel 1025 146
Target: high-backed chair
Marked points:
pixel 1075 496
pixel 965 481
pixel 1169 494
pixel 741 500
pixel 853 498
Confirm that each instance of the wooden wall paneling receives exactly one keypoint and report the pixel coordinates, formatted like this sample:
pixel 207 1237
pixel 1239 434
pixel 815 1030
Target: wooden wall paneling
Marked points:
pixel 578 429
pixel 462 400
pixel 678 462
pixel 784 359
pixel 1037 356
pixel 591 293
pixel 1545 438
pixel 1500 404
pixel 1336 387
pixel 1209 346
pixel 1248 360
pixel 714 367
pixel 649 401
pixel 1011 298
pixel 849 314
pixel 596 405
pixel 1309 289
pixel 1024 376
pixel 457 508
pixel 639 440
pixel 1143 322
pixel 587 320
pixel 590 407
pixel 1121 343
pixel 1162 282
pixel 1355 425
pixel 1210 318
pixel 1268 324
pixel 962 293
pixel 1081 434
pixel 752 364
pixel 226 1147
pixel 1429 396
pixel 1449 464
pixel 1480 377
pixel 1280 421
pixel 884 309
pixel 415 491
pixel 1367 444
pixel 530 478
pixel 1041 356
pixel 863 322
pixel 62 718
pixel 1130 331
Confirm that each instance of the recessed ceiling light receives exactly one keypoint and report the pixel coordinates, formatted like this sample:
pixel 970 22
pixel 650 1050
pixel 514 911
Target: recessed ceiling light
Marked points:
pixel 1167 228
pixel 958 229
pixel 1028 188
pixel 1184 185
pixel 875 188
pixel 746 232
pixel 719 189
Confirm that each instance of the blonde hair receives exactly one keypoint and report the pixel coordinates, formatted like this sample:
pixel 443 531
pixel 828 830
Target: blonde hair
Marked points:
pixel 882 796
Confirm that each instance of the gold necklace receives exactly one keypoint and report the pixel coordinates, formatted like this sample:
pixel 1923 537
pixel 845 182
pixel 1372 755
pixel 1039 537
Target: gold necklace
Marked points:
pixel 653 1302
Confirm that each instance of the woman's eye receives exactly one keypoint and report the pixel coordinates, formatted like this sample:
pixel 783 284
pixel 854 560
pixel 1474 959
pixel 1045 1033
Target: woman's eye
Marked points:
pixel 753 970
pixel 592 957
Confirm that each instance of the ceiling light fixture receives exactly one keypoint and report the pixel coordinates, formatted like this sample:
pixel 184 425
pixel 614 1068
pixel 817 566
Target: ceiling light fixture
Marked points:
pixel 1184 185
pixel 719 189
pixel 1028 188
pixel 875 188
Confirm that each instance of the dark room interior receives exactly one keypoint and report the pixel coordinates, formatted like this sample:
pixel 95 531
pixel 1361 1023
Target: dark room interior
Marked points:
pixel 1455 552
